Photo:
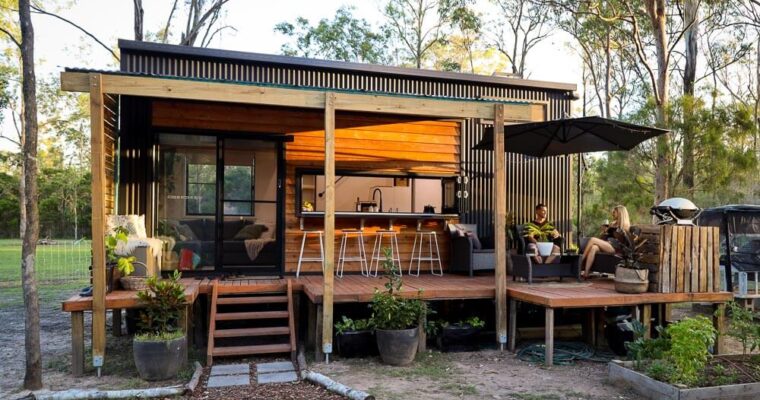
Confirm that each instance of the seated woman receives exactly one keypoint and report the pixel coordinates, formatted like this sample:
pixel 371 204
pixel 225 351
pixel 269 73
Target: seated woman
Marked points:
pixel 540 219
pixel 606 243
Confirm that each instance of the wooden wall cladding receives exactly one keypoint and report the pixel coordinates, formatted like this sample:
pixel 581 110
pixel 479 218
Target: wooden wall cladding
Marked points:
pixel 110 133
pixel 364 142
pixel 689 259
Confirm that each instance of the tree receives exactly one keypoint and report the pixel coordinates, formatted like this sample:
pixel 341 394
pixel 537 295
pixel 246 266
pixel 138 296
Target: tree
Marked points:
pixel 418 25
pixel 139 16
pixel 468 25
pixel 343 38
pixel 33 376
pixel 519 25
pixel 201 22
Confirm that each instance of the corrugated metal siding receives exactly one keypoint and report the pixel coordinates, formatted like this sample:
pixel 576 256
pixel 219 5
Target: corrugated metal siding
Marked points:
pixel 530 181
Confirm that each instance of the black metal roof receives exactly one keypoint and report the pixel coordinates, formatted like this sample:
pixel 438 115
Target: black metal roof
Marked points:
pixel 329 65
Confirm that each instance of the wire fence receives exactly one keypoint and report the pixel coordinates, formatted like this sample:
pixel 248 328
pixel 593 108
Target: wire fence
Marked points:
pixel 58 260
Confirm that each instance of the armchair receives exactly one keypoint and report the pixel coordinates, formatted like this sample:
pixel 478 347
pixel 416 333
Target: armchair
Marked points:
pixel 467 254
pixel 522 264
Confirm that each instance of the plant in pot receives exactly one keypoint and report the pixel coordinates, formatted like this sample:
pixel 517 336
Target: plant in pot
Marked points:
pixel 461 335
pixel 117 266
pixel 572 249
pixel 160 350
pixel 630 275
pixel 355 338
pixel 542 234
pixel 396 319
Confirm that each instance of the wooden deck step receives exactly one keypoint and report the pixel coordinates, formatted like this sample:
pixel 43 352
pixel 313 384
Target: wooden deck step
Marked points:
pixel 248 350
pixel 245 332
pixel 237 316
pixel 252 300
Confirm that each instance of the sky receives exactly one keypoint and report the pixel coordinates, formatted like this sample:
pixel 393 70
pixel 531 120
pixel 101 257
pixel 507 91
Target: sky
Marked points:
pixel 58 45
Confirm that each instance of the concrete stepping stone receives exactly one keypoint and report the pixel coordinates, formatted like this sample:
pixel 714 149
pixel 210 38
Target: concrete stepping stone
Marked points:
pixel 277 377
pixel 230 369
pixel 228 380
pixel 280 366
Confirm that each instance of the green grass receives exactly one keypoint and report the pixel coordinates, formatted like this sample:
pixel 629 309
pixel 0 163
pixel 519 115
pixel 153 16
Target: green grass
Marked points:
pixel 56 262
pixel 50 295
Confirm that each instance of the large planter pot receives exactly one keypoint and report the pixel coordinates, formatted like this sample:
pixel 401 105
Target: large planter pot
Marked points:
pixel 545 248
pixel 397 347
pixel 356 344
pixel 458 338
pixel 630 280
pixel 160 359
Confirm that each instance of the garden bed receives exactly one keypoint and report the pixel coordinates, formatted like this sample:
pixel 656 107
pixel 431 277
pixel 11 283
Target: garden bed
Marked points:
pixel 725 377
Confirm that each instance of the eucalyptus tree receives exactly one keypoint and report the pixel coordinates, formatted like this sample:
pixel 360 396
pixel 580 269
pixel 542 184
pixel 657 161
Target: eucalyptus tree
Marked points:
pixel 418 25
pixel 518 26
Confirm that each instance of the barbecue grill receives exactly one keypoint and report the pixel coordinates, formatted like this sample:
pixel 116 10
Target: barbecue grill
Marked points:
pixel 676 211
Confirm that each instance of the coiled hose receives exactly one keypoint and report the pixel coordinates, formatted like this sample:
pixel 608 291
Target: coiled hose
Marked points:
pixel 565 353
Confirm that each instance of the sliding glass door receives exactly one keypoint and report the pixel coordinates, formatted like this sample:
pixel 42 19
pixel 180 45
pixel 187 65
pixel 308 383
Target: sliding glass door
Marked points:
pixel 217 205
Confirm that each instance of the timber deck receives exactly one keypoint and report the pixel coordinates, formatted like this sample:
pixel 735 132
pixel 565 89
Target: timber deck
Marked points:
pixel 359 289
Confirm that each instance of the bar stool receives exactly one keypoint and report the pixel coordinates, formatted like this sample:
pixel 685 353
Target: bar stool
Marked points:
pixel 431 236
pixel 377 252
pixel 321 257
pixel 347 234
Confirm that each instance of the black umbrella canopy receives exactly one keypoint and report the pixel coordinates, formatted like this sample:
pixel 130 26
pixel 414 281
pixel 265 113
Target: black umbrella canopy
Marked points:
pixel 571 135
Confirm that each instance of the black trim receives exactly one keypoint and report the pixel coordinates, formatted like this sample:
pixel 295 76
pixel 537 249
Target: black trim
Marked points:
pixel 168 50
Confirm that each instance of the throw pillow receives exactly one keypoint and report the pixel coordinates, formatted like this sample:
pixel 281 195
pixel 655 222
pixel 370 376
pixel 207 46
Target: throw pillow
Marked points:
pixel 250 232
pixel 134 224
pixel 185 233
pixel 476 245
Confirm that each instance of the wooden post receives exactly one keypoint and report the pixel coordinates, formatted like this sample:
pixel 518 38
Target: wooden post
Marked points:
pixel 646 319
pixel 512 325
pixel 318 333
pixel 549 336
pixel 98 223
pixel 77 343
pixel 500 234
pixel 422 338
pixel 327 298
pixel 116 322
pixel 719 322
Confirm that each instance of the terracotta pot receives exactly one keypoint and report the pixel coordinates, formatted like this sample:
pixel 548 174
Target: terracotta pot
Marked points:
pixel 158 360
pixel 630 280
pixel 397 347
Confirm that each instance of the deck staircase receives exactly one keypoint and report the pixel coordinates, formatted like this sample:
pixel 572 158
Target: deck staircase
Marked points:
pixel 240 314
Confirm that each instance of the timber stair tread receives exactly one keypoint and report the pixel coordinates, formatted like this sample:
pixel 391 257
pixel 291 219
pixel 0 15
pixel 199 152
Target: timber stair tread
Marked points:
pixel 247 330
pixel 248 350
pixel 252 300
pixel 239 316
pixel 243 332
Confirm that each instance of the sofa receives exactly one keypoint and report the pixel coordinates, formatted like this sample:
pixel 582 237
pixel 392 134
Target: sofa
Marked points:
pixel 467 252
pixel 197 235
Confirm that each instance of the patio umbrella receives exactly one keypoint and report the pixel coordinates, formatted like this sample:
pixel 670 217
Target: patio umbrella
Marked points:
pixel 570 135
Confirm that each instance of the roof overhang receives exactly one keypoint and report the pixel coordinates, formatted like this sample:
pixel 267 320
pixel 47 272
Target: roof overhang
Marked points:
pixel 248 93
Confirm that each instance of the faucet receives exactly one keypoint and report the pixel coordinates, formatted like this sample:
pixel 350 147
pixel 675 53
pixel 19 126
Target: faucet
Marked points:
pixel 381 198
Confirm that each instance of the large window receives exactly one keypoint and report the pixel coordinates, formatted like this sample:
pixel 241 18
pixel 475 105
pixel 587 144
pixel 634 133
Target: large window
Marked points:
pixel 238 190
pixel 201 189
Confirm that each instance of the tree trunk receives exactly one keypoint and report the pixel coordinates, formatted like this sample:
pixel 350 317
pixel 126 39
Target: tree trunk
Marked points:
pixel 607 74
pixel 33 376
pixel 662 179
pixel 691 39
pixel 139 16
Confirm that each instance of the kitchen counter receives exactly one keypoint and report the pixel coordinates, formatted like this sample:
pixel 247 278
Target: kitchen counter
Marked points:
pixel 390 216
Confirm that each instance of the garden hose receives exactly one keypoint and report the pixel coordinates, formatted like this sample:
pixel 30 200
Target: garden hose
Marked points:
pixel 565 353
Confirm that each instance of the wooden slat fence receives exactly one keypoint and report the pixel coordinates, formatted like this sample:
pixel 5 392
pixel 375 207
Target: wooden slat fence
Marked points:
pixel 689 259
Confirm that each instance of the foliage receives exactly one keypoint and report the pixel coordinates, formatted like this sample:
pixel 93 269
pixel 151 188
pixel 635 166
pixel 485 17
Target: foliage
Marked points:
pixel 641 349
pixel 630 245
pixel 474 322
pixel 661 370
pixel 540 233
pixel 743 327
pixel 164 302
pixel 158 337
pixel 112 242
pixel 353 325
pixel 389 309
pixel 690 342
pixel 418 26
pixel 345 38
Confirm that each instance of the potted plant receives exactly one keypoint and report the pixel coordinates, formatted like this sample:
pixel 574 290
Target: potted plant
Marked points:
pixel 630 276
pixel 572 249
pixel 542 234
pixel 461 335
pixel 117 266
pixel 396 319
pixel 355 338
pixel 160 350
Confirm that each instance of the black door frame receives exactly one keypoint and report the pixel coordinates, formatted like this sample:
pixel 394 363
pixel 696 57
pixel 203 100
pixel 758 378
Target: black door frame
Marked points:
pixel 221 135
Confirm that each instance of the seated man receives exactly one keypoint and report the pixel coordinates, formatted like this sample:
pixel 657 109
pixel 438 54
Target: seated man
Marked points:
pixel 540 220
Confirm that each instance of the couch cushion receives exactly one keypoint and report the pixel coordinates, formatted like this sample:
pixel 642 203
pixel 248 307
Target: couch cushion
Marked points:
pixel 251 232
pixel 231 228
pixel 202 228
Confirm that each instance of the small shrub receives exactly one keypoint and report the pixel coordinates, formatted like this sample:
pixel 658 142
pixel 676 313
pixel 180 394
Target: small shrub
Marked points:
pixel 690 341
pixel 389 309
pixel 743 327
pixel 661 370
pixel 647 349
pixel 163 301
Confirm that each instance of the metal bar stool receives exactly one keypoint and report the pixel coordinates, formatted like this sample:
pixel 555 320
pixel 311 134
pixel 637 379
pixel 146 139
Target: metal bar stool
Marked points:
pixel 346 234
pixel 377 252
pixel 431 236
pixel 321 257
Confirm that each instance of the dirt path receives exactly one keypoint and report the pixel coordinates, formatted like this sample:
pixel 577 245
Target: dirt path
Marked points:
pixel 480 375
